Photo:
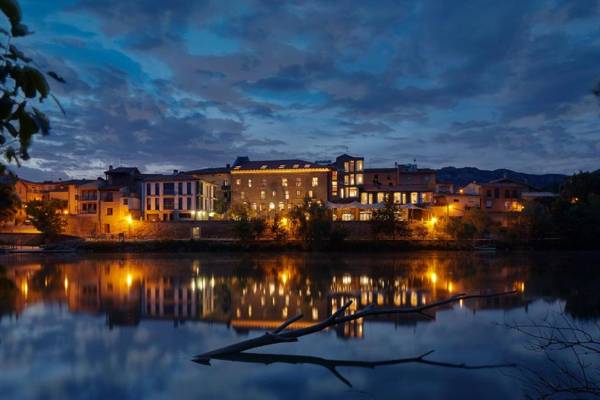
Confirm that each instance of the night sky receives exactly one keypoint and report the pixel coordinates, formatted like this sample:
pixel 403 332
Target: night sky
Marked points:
pixel 189 84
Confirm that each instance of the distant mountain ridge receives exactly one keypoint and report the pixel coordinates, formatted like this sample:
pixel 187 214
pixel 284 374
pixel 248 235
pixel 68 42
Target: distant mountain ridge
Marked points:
pixel 462 176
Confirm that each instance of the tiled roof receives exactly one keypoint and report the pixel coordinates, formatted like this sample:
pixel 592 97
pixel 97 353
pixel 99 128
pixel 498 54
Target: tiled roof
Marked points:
pixel 275 164
pixel 215 170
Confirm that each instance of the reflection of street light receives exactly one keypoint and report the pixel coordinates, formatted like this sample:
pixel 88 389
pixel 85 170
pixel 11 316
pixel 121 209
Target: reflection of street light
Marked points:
pixel 129 280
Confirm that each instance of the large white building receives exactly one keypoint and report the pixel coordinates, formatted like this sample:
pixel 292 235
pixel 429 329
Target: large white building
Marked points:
pixel 177 197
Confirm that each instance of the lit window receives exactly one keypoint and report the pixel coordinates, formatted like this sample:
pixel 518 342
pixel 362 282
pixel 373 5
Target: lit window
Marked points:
pixel 254 206
pixel 310 194
pixel 365 216
pixel 352 192
pixel 296 166
pixel 397 198
pixel 315 181
pixel 351 179
pixel 284 182
pixel 263 167
pixel 346 167
pixel 281 206
pixel 298 182
pixel 298 194
pixel 242 195
pixel 364 198
pixel 238 181
pixel 380 197
pixel 287 194
pixel 359 179
pixel 263 194
pixel 249 182
pixel 347 217
pixel 359 165
pixel 274 193
pixel 271 206
pixel 414 198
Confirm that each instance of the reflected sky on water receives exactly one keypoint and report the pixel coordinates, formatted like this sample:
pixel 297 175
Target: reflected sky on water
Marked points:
pixel 127 326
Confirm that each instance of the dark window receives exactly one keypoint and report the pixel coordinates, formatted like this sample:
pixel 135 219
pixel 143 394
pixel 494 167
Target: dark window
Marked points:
pixel 189 203
pixel 148 188
pixel 157 189
pixel 180 187
pixel 106 228
pixel 197 203
pixel 497 193
pixel 148 204
pixel 109 211
pixel 189 188
pixel 199 190
pixel 125 201
pixel 489 193
pixel 168 204
pixel 180 204
pixel 156 204
pixel 515 194
pixel 107 196
pixel 169 188
pixel 507 194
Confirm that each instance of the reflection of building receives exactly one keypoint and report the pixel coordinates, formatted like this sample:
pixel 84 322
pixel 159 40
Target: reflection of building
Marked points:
pixel 129 290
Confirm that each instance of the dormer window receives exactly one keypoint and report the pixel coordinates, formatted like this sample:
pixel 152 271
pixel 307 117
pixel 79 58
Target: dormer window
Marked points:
pixel 296 166
pixel 282 166
pixel 263 166
pixel 306 165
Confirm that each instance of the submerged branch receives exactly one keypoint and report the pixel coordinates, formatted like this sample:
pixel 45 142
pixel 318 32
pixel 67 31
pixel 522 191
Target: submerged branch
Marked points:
pixel 280 336
pixel 332 365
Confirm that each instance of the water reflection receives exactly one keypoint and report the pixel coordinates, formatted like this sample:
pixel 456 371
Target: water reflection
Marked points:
pixel 262 292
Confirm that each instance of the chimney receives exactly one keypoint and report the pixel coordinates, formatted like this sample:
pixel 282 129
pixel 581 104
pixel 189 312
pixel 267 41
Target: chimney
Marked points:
pixel 228 166
pixel 110 167
pixel 175 171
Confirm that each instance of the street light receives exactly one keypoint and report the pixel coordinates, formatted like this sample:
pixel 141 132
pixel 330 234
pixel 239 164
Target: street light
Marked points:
pixel 129 223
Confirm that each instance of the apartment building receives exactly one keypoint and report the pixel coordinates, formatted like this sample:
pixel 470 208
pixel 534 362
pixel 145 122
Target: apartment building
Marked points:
pixel 119 200
pixel 277 185
pixel 347 176
pixel 177 197
pixel 220 177
pixel 407 184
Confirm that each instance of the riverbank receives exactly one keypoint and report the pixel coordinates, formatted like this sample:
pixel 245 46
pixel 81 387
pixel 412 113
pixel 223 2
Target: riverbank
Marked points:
pixel 209 245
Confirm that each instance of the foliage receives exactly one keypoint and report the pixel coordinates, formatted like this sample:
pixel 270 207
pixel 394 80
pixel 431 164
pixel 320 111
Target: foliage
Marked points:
pixel 9 201
pixel 277 228
pixel 312 221
pixel 475 223
pixel 385 221
pixel 46 216
pixel 248 227
pixel 21 84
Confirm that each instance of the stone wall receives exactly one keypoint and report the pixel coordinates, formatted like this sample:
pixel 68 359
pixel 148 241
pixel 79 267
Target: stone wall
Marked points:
pixel 182 229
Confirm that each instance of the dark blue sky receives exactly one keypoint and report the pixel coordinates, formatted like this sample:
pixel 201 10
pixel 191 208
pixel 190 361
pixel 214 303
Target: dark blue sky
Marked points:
pixel 188 84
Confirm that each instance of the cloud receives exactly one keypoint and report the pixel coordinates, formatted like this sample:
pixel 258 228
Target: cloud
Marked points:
pixel 194 84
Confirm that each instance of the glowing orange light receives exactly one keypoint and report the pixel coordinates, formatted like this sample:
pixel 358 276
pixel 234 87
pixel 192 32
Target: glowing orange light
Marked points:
pixel 129 280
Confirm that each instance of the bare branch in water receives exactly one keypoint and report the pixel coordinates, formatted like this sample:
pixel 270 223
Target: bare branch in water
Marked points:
pixel 332 365
pixel 279 335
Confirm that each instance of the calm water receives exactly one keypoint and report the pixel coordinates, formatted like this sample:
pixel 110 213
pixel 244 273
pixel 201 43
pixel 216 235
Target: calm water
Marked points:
pixel 127 326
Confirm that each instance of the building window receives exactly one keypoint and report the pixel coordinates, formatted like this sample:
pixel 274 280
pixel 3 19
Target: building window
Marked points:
pixel 346 167
pixel 249 182
pixel 364 198
pixel 263 195
pixel 264 182
pixel 281 206
pixel 298 194
pixel 507 194
pixel 310 194
pixel 180 187
pixel 352 192
pixel 497 193
pixel 380 197
pixel 397 198
pixel 168 203
pixel 148 188
pixel 169 188
pixel 156 204
pixel 274 193
pixel 148 204
pixel 287 194
pixel 157 189
pixel 347 217
pixel 189 203
pixel 125 201
pixel 238 181
pixel 271 206
pixel 200 188
pixel 359 165
pixel 254 206
pixel 242 195
pixel 414 198
pixel 365 216
pixel 359 179
pixel 180 203
pixel 189 188
pixel 284 182
pixel 109 211
pixel 488 204
pixel 298 182
pixel 315 181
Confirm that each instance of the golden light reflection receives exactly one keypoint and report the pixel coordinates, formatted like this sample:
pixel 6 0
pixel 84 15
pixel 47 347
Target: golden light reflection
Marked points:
pixel 433 277
pixel 129 280
pixel 66 283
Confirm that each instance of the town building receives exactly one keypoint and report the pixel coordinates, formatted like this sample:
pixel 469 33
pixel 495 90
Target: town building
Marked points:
pixel 177 197
pixel 277 185
pixel 220 177
pixel 119 200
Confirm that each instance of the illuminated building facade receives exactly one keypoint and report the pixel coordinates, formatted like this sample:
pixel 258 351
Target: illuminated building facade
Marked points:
pixel 274 186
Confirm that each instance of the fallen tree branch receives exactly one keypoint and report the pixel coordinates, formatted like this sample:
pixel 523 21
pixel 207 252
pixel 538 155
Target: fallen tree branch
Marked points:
pixel 332 365
pixel 279 335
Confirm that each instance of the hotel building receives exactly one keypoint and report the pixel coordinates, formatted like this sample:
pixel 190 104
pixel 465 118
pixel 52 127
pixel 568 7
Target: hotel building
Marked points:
pixel 277 185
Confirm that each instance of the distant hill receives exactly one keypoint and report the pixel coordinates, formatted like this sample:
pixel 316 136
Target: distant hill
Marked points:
pixel 462 176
